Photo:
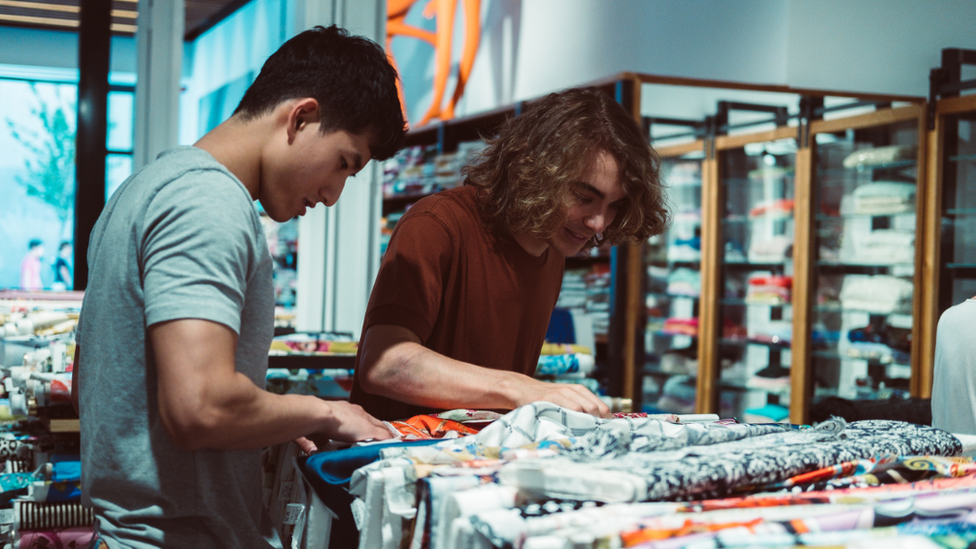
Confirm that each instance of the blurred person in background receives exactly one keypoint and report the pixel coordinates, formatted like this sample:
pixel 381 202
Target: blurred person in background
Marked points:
pixel 30 267
pixel 62 268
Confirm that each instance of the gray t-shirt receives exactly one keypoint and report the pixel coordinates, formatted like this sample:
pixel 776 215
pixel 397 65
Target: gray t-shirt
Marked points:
pixel 954 375
pixel 179 239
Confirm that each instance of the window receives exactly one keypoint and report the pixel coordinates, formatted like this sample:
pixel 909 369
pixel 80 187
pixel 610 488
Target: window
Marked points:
pixel 37 175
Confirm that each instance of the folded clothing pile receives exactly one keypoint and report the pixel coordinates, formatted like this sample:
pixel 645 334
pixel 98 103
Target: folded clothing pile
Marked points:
pixel 880 294
pixel 774 249
pixel 769 289
pixel 684 282
pixel 884 247
pixel 884 198
pixel 880 157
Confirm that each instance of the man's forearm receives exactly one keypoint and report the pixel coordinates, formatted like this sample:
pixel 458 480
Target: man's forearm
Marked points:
pixel 238 415
pixel 394 364
pixel 411 373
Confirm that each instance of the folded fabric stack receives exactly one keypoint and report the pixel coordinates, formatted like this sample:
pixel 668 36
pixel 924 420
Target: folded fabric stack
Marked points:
pixel 681 326
pixel 598 297
pixel 545 477
pixel 885 344
pixel 776 209
pixel 769 289
pixel 325 383
pixel 884 247
pixel 770 250
pixel 884 198
pixel 567 364
pixel 684 282
pixel 310 344
pixel 685 249
pixel 880 294
pixel 880 157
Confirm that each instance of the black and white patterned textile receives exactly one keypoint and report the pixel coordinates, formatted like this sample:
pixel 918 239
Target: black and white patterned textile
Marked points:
pixel 608 470
pixel 542 421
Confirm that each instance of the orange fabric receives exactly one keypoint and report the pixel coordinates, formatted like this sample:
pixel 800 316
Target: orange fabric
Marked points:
pixel 427 427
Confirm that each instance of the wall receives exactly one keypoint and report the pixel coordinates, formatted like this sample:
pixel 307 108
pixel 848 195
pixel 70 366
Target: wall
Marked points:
pixel 874 45
pixel 532 47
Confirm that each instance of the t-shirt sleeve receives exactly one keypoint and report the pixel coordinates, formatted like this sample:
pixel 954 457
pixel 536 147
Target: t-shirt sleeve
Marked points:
pixel 410 285
pixel 198 248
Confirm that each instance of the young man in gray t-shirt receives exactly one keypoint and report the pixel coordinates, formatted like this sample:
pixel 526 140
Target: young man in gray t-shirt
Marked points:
pixel 178 316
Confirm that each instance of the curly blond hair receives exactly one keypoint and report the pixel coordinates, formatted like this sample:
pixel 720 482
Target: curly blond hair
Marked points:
pixel 525 174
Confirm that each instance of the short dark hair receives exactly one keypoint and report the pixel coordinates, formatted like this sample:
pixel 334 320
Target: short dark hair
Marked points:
pixel 33 244
pixel 350 77
pixel 524 174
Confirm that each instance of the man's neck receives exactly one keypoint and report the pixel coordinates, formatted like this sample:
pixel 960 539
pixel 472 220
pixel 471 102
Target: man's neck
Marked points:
pixel 237 145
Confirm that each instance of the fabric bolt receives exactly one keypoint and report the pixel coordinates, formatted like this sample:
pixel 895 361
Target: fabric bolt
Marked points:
pixel 610 465
pixel 444 276
pixel 565 364
pixel 429 531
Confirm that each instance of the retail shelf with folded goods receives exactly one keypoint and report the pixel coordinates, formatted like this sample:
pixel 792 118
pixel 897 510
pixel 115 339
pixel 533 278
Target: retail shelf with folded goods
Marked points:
pixel 806 234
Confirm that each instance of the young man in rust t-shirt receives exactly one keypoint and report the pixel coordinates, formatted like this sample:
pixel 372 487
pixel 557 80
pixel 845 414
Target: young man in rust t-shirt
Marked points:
pixel 460 307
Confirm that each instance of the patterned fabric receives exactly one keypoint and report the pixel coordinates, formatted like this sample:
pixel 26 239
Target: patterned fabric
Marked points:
pixel 425 427
pixel 874 472
pixel 617 466
pixel 544 421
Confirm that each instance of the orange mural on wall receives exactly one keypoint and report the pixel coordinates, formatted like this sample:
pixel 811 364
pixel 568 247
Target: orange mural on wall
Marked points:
pixel 441 39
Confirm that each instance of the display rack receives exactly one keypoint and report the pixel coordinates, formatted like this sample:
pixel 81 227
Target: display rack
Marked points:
pixel 767 342
pixel 949 260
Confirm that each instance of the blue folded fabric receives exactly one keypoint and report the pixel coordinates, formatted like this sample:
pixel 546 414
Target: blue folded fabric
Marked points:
pixel 66 471
pixel 336 468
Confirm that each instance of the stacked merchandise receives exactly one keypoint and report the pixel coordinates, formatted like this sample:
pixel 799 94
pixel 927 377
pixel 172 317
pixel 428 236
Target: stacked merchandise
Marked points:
pixel 419 171
pixel 567 363
pixel 317 364
pixel 40 467
pixel 597 307
pixel 545 477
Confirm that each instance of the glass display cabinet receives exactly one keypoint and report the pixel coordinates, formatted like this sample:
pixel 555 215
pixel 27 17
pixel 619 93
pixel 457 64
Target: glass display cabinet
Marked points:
pixel 949 262
pixel 865 218
pixel 673 288
pixel 755 274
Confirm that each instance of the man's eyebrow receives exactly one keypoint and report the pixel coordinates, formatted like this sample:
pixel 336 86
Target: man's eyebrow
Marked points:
pixel 590 188
pixel 357 161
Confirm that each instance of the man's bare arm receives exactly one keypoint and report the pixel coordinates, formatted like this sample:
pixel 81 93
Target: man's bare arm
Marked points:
pixel 205 403
pixel 395 365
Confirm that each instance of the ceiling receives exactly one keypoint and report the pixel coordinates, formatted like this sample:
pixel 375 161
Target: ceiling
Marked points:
pixel 64 14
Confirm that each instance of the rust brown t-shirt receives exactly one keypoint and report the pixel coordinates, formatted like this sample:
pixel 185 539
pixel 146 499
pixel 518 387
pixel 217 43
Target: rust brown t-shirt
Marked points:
pixel 466 293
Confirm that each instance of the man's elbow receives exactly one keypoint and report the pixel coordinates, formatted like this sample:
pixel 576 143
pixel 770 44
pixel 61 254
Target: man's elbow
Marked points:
pixel 380 375
pixel 191 429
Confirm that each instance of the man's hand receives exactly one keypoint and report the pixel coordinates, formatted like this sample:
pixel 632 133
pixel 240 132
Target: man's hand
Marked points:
pixel 573 397
pixel 354 425
pixel 350 423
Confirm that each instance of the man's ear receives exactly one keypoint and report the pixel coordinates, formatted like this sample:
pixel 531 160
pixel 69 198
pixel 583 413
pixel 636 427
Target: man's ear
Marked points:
pixel 301 113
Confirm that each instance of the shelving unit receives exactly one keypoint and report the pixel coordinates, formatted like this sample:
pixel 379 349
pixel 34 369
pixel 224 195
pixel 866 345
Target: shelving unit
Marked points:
pixel 775 191
pixel 949 251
